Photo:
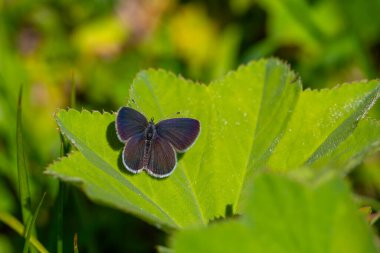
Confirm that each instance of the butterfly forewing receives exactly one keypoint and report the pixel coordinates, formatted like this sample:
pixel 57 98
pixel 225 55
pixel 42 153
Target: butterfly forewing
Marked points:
pixel 133 153
pixel 162 158
pixel 129 122
pixel 180 132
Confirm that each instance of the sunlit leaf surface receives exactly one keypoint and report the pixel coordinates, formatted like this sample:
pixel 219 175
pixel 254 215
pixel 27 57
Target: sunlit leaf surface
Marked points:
pixel 253 118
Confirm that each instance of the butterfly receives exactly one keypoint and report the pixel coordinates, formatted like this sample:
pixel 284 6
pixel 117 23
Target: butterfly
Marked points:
pixel 153 147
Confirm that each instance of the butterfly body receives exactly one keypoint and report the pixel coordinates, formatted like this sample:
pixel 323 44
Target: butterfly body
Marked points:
pixel 150 131
pixel 152 147
pixel 150 134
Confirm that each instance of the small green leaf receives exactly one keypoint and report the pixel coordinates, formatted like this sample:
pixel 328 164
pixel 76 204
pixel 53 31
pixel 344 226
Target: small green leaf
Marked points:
pixel 283 215
pixel 252 118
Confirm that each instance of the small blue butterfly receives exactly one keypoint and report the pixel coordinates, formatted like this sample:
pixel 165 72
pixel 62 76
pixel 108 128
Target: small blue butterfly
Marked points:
pixel 152 146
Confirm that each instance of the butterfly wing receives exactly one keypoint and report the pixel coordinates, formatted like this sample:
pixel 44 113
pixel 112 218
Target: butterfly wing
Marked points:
pixel 180 132
pixel 133 153
pixel 162 160
pixel 129 122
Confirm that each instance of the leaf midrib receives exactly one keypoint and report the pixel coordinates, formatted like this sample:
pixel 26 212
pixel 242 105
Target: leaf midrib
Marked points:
pixel 159 107
pixel 337 133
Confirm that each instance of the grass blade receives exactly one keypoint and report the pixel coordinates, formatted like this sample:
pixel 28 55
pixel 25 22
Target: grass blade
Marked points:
pixel 19 228
pixel 31 225
pixel 62 191
pixel 59 217
pixel 23 177
pixel 65 149
pixel 76 243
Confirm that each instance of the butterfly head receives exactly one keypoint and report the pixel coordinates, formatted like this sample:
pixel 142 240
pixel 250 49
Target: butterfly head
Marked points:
pixel 151 120
pixel 150 131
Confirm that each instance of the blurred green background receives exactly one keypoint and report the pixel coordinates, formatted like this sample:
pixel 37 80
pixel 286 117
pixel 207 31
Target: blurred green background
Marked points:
pixel 98 46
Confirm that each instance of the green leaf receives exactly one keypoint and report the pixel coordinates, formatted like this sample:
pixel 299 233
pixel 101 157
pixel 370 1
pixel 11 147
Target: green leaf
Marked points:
pixel 252 118
pixel 321 121
pixel 354 149
pixel 283 215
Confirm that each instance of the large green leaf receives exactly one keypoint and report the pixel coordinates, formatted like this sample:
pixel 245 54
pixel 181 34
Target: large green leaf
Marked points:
pixel 287 216
pixel 252 118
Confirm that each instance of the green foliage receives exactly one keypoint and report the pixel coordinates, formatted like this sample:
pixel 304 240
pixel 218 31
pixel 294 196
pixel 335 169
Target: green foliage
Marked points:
pixel 283 215
pixel 253 118
pixel 47 46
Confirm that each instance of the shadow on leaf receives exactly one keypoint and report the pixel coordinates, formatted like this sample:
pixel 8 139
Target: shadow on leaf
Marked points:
pixel 112 138
pixel 229 214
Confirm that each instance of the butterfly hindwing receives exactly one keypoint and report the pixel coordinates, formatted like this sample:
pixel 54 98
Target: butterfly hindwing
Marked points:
pixel 129 122
pixel 162 158
pixel 133 153
pixel 180 132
